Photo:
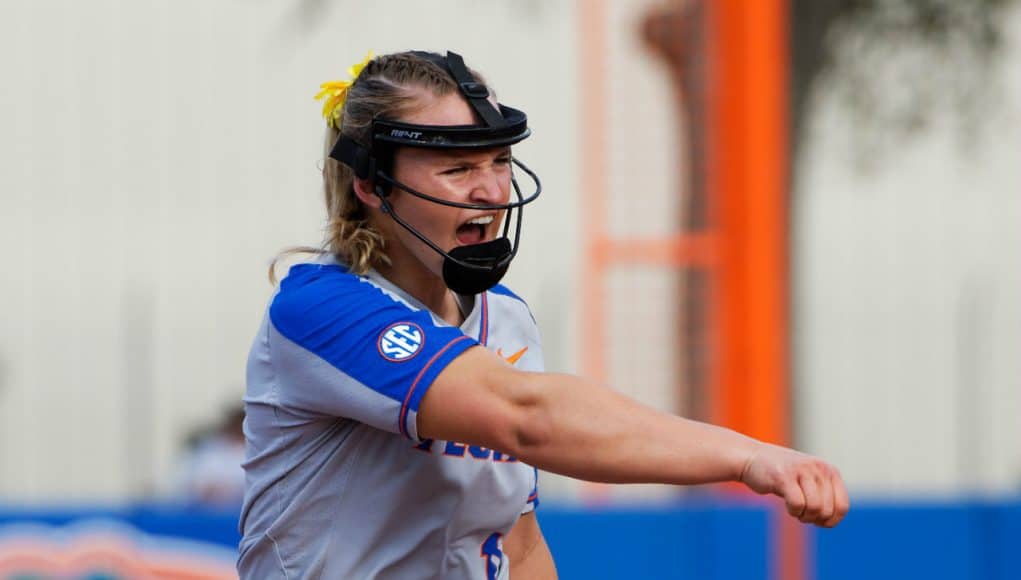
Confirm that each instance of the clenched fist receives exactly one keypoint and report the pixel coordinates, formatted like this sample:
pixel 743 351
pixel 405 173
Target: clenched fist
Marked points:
pixel 812 489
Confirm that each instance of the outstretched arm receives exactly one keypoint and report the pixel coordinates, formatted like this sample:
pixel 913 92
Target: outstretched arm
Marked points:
pixel 571 426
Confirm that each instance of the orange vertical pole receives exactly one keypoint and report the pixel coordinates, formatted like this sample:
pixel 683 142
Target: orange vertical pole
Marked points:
pixel 748 184
pixel 765 200
pixel 727 181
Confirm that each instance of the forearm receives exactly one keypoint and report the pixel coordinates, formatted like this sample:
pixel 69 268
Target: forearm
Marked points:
pixel 567 425
pixel 594 433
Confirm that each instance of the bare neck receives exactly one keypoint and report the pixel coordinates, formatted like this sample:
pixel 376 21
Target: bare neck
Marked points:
pixel 410 275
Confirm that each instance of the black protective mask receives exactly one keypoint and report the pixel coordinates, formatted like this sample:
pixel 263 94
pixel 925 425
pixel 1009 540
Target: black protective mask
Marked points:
pixel 477 268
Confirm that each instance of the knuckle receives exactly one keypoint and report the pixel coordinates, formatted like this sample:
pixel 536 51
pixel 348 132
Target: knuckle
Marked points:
pixel 795 506
pixel 781 484
pixel 805 470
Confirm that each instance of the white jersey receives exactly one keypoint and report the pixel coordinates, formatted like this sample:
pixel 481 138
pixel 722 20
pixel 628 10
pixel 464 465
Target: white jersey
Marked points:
pixel 338 483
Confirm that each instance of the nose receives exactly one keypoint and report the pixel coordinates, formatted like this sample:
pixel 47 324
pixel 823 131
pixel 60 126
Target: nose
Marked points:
pixel 492 188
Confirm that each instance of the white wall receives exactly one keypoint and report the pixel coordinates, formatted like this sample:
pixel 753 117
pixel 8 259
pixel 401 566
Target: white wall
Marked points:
pixel 908 300
pixel 156 155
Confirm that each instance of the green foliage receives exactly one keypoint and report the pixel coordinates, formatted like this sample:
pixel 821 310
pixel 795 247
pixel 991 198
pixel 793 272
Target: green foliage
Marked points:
pixel 897 65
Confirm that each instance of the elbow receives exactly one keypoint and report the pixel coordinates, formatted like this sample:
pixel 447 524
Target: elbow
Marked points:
pixel 530 425
pixel 532 433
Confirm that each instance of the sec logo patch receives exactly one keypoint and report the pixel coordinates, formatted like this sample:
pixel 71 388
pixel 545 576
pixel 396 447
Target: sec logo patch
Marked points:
pixel 401 341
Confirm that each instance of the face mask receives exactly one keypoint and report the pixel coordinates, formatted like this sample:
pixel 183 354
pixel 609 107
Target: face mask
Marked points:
pixel 478 267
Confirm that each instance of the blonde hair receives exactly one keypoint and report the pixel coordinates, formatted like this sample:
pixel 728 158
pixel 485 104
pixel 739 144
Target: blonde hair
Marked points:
pixel 388 87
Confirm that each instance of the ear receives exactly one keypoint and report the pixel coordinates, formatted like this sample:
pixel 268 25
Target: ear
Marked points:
pixel 363 190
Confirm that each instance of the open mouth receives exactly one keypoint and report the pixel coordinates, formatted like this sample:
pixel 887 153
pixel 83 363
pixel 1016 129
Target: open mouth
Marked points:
pixel 473 231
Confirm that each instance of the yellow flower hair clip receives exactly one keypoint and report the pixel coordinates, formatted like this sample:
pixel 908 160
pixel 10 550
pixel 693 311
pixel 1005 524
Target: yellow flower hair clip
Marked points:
pixel 335 92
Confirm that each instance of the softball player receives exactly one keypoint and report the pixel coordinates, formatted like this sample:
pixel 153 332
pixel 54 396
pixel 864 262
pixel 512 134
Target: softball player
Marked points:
pixel 396 401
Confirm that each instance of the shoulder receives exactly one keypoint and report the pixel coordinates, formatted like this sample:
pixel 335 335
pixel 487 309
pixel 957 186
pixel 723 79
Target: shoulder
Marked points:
pixel 305 281
pixel 314 295
pixel 502 290
pixel 505 298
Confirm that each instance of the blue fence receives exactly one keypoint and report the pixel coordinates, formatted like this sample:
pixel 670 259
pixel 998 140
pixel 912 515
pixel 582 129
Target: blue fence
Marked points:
pixel 978 540
pixel 707 540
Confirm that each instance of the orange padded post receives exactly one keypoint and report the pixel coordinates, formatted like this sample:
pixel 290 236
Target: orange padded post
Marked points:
pixel 747 174
pixel 748 148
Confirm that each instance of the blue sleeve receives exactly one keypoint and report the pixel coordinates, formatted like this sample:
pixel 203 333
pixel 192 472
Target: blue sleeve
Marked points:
pixel 341 346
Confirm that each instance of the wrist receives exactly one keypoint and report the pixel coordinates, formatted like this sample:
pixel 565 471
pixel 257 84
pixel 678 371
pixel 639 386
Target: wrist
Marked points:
pixel 745 453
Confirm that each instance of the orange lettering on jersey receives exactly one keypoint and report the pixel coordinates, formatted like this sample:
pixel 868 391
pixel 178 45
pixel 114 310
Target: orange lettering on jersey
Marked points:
pixel 512 358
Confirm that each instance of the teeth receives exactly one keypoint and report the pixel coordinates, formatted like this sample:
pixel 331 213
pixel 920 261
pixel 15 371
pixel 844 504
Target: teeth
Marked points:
pixel 482 220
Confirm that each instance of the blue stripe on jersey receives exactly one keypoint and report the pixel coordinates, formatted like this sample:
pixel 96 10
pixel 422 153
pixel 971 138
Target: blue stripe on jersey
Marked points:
pixel 344 320
pixel 505 291
pixel 427 375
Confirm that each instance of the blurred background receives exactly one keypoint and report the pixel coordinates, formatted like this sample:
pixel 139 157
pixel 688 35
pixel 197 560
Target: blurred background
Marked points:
pixel 797 218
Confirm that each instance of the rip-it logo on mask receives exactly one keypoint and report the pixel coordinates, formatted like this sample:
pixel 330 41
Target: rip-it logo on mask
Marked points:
pixel 401 341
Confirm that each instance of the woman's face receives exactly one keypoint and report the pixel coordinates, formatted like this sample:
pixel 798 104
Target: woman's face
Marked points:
pixel 467 176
